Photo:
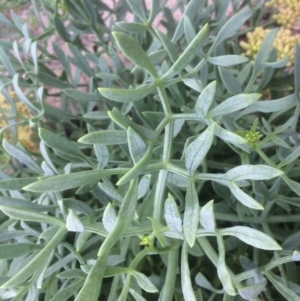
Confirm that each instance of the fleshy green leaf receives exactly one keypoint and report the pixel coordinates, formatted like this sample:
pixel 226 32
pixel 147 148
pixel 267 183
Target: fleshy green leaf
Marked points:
pixel 13 250
pixel 144 282
pixel 73 222
pixel 134 52
pixel 198 149
pixel 109 218
pixel 234 103
pixel 172 216
pixel 60 143
pixel 205 99
pixel 111 191
pixel 252 172
pixel 144 186
pixel 231 27
pixel 252 291
pixel 108 137
pixel 252 237
pixel 29 215
pixel 244 198
pixel 37 262
pixel 222 269
pixel 186 283
pixel 127 95
pixel 64 182
pixel 203 282
pixel 190 52
pixel 286 292
pixel 133 27
pixel 137 146
pixel 207 217
pixel 228 60
pixel 191 214
pixel 21 155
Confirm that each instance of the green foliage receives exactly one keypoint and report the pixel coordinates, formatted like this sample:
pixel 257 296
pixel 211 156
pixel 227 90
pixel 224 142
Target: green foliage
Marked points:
pixel 165 173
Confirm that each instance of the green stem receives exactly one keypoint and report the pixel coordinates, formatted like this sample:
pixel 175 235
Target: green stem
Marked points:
pixel 163 173
pixel 168 290
pixel 112 295
pixel 265 158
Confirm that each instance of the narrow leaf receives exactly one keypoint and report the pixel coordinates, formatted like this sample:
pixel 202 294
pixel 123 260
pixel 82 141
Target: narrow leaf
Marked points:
pixel 134 52
pixel 198 149
pixel 190 52
pixel 252 172
pixel 191 214
pixel 286 292
pixel 244 198
pixel 109 218
pixel 37 262
pixel 171 214
pixel 231 27
pixel 21 155
pixel 252 237
pixel 228 60
pixel 252 291
pixel 133 27
pixel 111 191
pixel 73 222
pixel 13 250
pixel 144 186
pixel 234 103
pixel 222 269
pixel 144 282
pixel 230 82
pixel 108 137
pixel 60 143
pixel 137 146
pixel 207 217
pixel 127 95
pixel 186 283
pixel 205 99
pixel 64 182
pixel 29 215
pixel 81 96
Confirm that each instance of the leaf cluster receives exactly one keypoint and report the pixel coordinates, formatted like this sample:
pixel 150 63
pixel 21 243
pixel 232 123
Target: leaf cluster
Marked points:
pixel 166 173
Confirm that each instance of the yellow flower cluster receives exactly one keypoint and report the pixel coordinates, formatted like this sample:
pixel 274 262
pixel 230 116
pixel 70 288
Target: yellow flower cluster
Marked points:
pixel 24 133
pixel 284 43
pixel 251 136
pixel 288 12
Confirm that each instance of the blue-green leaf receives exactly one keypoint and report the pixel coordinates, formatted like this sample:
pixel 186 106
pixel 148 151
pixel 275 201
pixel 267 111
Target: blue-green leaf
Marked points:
pixel 134 52
pixel 108 137
pixel 252 172
pixel 234 103
pixel 243 197
pixel 252 237
pixel 109 218
pixel 127 95
pixel 191 214
pixel 207 217
pixel 73 223
pixel 198 149
pixel 137 146
pixel 205 100
pixel 172 216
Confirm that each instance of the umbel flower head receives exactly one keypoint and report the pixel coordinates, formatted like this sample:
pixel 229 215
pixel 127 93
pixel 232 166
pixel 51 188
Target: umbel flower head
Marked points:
pixel 284 43
pixel 23 131
pixel 287 12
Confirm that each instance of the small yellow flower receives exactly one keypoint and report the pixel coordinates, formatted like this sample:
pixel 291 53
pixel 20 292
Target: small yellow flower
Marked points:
pixel 284 43
pixel 145 240
pixel 251 136
pixel 24 133
pixel 287 12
